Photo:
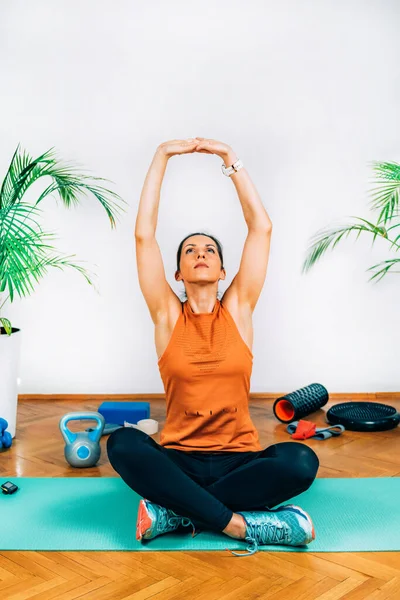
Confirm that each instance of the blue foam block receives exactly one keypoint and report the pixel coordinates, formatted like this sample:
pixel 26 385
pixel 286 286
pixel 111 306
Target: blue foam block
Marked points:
pixel 118 412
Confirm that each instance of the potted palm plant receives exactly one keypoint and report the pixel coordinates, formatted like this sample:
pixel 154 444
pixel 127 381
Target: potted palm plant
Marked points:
pixel 25 254
pixel 385 197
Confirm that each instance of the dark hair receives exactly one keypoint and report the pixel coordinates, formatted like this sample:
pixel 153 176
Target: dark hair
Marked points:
pixel 178 255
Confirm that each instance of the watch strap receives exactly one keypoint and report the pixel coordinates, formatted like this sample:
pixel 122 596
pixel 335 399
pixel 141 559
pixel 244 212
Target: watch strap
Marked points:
pixel 232 169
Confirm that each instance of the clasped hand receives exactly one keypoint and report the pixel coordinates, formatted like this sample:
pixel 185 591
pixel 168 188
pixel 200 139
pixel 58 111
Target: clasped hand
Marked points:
pixel 197 144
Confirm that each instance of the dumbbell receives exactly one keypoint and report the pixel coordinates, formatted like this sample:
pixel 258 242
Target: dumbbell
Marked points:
pixel 5 436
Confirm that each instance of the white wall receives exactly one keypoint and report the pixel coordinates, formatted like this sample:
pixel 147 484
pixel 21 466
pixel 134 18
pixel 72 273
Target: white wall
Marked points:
pixel 305 92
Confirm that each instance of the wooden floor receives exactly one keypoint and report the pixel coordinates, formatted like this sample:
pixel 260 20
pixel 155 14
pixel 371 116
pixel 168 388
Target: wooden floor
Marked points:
pixel 38 450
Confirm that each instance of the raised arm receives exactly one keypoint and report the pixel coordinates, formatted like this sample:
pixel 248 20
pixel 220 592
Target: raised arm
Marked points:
pixel 146 222
pixel 152 280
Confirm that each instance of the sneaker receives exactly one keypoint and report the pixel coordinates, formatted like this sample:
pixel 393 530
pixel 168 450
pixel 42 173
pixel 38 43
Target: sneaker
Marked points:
pixel 288 525
pixel 154 519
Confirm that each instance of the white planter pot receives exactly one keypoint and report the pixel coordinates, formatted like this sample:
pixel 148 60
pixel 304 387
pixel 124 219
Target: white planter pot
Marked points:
pixel 10 351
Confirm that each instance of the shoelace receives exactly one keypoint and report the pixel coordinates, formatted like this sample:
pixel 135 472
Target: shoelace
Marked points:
pixel 264 533
pixel 175 520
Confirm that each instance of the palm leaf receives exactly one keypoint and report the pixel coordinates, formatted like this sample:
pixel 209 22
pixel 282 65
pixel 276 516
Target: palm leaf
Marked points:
pixel 329 238
pixel 22 172
pixel 10 178
pixel 19 277
pixel 59 262
pixel 20 245
pixel 386 195
pixel 394 242
pixel 67 182
pixel 24 253
pixel 388 265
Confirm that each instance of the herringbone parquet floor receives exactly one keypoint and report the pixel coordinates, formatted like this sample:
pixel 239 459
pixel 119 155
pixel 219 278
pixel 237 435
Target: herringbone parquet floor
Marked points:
pixel 38 450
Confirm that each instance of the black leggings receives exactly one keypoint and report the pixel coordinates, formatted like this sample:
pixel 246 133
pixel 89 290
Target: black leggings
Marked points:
pixel 208 488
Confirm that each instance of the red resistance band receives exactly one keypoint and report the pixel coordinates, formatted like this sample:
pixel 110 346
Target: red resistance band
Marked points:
pixel 304 430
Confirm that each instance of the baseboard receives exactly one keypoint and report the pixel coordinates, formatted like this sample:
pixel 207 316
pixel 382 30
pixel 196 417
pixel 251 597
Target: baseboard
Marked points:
pixel 356 397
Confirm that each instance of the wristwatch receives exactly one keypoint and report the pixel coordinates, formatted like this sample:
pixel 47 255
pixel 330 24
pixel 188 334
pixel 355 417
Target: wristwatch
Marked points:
pixel 232 169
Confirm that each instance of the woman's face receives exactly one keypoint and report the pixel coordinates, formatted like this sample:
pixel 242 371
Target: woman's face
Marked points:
pixel 200 249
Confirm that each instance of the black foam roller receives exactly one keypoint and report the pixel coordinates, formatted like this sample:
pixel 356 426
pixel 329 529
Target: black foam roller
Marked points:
pixel 302 402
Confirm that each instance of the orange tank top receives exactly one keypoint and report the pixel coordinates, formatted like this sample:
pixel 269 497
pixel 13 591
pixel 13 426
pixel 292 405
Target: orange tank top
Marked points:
pixel 206 370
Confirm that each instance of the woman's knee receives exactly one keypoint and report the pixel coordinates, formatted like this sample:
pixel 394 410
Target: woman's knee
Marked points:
pixel 308 464
pixel 123 440
pixel 301 460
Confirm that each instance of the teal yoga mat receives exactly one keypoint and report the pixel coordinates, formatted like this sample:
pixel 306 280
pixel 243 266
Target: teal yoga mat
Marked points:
pixel 99 513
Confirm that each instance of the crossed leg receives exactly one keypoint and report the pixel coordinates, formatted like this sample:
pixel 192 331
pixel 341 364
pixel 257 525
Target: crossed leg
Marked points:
pixel 272 476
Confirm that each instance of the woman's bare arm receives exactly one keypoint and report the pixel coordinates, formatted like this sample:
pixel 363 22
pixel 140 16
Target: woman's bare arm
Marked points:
pixel 146 221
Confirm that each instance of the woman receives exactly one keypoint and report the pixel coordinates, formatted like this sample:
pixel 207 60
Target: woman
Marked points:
pixel 209 470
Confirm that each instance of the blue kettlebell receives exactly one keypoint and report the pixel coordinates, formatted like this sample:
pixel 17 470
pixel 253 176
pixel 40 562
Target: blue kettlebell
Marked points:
pixel 5 436
pixel 82 449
